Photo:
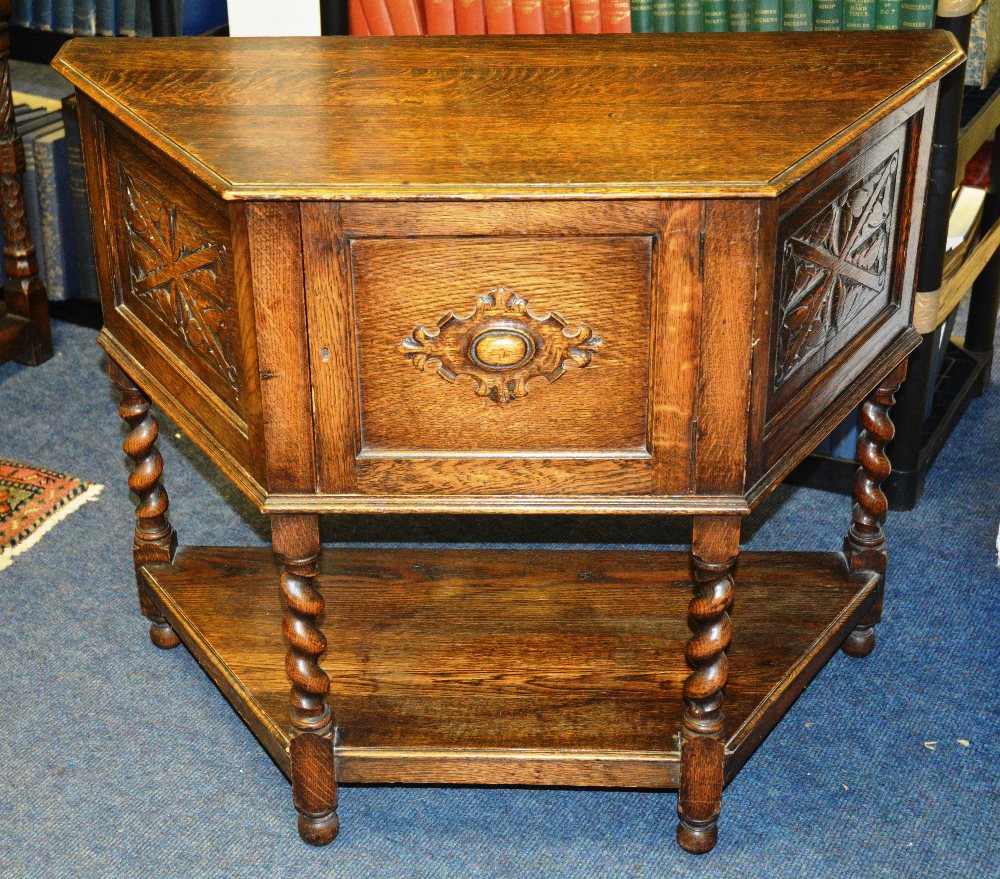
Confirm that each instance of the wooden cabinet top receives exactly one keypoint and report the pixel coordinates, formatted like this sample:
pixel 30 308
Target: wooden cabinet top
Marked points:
pixel 717 114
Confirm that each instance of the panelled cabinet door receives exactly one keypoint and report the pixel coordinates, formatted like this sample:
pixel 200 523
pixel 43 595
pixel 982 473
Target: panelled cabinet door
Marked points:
pixel 503 349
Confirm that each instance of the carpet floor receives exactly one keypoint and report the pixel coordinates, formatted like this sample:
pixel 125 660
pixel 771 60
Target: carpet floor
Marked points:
pixel 118 760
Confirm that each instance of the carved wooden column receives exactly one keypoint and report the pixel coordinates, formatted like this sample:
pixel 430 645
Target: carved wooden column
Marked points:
pixel 155 540
pixel 25 300
pixel 864 545
pixel 715 547
pixel 314 783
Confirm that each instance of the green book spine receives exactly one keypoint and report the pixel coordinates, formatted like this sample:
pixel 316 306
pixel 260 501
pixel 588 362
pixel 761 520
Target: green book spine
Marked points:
pixel 916 14
pixel 664 16
pixel 739 16
pixel 888 14
pixel 859 15
pixel 828 15
pixel 642 16
pixel 689 18
pixel 765 15
pixel 797 15
pixel 715 15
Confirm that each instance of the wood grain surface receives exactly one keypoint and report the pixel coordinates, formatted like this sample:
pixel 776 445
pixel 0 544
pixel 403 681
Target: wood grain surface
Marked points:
pixel 442 661
pixel 537 117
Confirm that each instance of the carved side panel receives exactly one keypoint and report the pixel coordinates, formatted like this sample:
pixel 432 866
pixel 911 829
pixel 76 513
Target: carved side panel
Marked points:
pixel 174 276
pixel 174 267
pixel 836 267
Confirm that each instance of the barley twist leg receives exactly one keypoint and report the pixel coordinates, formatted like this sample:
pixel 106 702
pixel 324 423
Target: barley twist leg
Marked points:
pixel 154 540
pixel 864 546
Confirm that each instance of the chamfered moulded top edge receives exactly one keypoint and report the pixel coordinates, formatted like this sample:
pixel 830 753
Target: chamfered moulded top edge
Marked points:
pixel 631 115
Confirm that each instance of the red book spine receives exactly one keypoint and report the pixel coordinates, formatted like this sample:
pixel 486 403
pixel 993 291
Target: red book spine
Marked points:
pixel 500 17
pixel 377 16
pixel 528 17
pixel 616 17
pixel 586 16
pixel 406 17
pixel 440 17
pixel 470 17
pixel 356 18
pixel 558 17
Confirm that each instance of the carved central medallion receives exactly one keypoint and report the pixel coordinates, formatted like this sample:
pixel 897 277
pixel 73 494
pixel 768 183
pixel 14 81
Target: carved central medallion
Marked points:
pixel 501 345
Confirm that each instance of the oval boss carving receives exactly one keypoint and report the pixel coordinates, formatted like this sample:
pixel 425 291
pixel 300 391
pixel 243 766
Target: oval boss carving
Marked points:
pixel 501 345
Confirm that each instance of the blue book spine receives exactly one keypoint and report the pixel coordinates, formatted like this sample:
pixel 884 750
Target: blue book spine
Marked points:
pixel 21 13
pixel 63 16
pixel 143 19
pixel 106 24
pixel 44 148
pixel 126 18
pixel 198 16
pixel 42 15
pixel 83 236
pixel 85 18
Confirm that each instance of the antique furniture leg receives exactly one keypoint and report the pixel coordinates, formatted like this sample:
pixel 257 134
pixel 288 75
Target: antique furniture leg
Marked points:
pixel 314 783
pixel 864 545
pixel 155 540
pixel 715 547
pixel 25 334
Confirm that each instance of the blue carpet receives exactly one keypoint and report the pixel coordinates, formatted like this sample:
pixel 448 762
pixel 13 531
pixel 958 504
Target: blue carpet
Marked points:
pixel 118 760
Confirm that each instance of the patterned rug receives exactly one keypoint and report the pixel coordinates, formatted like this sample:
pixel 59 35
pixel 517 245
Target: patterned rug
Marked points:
pixel 32 502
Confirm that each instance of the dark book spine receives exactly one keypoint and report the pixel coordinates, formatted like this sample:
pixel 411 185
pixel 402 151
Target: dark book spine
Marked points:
pixel 49 213
pixel 143 19
pixel 79 206
pixel 714 16
pixel 797 15
pixel 765 15
pixel 42 15
pixel 689 16
pixel 85 18
pixel 739 16
pixel 62 16
pixel 642 16
pixel 21 13
pixel 334 18
pixel 828 15
pixel 859 15
pixel 126 18
pixel 916 14
pixel 664 16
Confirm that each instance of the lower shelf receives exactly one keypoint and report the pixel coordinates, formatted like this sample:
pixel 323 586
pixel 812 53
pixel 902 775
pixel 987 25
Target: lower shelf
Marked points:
pixel 509 667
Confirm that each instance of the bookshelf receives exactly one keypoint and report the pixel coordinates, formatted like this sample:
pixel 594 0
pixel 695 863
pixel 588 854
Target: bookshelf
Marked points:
pixel 25 334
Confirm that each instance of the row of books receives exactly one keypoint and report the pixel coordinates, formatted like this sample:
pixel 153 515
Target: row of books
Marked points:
pixel 53 186
pixel 115 18
pixel 411 17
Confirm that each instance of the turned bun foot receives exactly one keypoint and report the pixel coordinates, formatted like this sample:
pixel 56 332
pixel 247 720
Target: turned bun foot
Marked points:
pixel 163 636
pixel 697 839
pixel 860 643
pixel 320 830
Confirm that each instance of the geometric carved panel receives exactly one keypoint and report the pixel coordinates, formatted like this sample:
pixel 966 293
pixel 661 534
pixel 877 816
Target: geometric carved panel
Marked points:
pixel 174 270
pixel 836 268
